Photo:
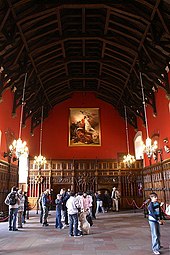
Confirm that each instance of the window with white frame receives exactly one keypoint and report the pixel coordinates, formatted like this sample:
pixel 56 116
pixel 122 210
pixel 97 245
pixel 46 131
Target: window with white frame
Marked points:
pixel 138 144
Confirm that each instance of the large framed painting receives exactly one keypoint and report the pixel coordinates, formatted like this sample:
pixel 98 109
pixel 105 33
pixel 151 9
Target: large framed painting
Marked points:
pixel 84 127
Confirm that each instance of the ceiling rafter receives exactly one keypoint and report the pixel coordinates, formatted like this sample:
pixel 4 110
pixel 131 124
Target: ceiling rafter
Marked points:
pixel 85 47
pixel 26 46
pixel 140 45
pixel 4 19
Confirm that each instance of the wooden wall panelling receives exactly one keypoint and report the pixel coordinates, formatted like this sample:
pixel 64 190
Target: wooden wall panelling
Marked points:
pixel 8 179
pixel 85 175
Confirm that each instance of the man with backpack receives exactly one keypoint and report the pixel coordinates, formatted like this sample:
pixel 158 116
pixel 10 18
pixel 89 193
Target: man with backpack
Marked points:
pixel 13 201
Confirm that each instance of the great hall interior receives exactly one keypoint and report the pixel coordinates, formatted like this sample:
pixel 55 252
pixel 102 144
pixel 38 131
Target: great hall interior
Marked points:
pixel 84 87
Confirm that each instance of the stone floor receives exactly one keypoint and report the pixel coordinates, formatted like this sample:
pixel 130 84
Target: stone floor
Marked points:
pixel 122 233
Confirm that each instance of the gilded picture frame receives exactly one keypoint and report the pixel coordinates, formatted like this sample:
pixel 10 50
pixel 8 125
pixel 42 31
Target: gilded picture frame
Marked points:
pixel 84 127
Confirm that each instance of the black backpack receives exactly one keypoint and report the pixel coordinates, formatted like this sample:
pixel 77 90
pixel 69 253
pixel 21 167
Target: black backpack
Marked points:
pixel 12 198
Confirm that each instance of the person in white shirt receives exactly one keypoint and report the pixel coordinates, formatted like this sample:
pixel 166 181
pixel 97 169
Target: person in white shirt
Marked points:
pixel 71 205
pixel 20 208
pixel 115 199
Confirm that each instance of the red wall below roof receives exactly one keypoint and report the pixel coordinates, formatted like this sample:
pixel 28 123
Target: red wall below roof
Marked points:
pixel 159 124
pixel 56 128
pixel 56 131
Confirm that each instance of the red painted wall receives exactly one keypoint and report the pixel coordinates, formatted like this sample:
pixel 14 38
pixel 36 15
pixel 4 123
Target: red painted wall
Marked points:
pixel 56 131
pixel 8 122
pixel 159 124
pixel 55 128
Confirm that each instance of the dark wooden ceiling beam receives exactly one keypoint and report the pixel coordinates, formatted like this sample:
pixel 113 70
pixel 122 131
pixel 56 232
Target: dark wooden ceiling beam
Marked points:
pixel 54 54
pixel 92 47
pixel 115 75
pixel 83 20
pixel 18 55
pixel 106 39
pixel 40 36
pixel 114 86
pixel 126 35
pixel 115 68
pixel 35 17
pixel 26 46
pixel 128 15
pixel 140 46
pixel 145 3
pixel 107 21
pixel 163 22
pixel 138 23
pixel 148 55
pixel 4 19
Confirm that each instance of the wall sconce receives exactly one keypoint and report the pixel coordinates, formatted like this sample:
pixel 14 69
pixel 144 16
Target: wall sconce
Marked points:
pixel 165 140
pixel 166 147
pixel 14 159
pixel 10 156
pixel 7 154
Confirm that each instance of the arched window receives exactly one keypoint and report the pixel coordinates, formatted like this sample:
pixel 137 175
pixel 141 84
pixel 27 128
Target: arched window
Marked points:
pixel 138 144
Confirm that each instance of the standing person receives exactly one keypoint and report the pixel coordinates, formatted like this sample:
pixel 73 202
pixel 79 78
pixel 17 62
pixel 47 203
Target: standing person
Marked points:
pixel 12 200
pixel 41 208
pixel 25 207
pixel 45 206
pixel 155 220
pixel 94 205
pixel 106 201
pixel 115 199
pixel 65 197
pixel 20 208
pixel 89 196
pixel 78 197
pixel 86 202
pixel 58 202
pixel 73 215
pixel 99 201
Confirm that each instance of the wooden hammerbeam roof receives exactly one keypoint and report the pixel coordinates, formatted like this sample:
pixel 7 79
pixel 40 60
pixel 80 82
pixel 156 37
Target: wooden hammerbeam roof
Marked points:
pixel 99 46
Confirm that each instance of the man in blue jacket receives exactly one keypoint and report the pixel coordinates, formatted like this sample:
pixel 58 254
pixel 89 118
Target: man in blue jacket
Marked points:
pixel 155 220
pixel 45 205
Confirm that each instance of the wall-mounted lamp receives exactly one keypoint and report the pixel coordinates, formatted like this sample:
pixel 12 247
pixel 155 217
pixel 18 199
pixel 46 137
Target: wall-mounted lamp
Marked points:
pixel 165 140
pixel 10 156
pixel 166 147
pixel 7 154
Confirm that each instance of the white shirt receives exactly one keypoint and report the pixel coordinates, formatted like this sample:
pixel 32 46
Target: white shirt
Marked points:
pixel 12 206
pixel 71 205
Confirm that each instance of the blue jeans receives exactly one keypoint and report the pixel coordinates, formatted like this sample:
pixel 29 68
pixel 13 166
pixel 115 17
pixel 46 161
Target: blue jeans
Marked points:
pixel 73 221
pixel 58 223
pixel 13 218
pixel 45 214
pixel 155 234
pixel 66 216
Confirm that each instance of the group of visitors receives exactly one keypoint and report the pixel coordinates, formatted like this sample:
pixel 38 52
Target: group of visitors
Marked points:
pixel 18 203
pixel 69 205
